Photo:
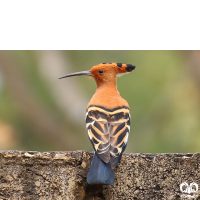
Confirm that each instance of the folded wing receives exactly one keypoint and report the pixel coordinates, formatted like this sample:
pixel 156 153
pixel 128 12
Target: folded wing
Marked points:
pixel 108 131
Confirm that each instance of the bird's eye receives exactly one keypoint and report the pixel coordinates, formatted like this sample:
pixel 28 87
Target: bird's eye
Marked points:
pixel 100 71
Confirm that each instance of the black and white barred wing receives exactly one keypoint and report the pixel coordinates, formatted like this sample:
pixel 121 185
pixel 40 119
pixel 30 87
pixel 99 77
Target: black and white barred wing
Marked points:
pixel 108 132
pixel 119 132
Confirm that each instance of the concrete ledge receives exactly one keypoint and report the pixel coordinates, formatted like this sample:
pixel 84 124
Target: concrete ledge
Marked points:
pixel 62 175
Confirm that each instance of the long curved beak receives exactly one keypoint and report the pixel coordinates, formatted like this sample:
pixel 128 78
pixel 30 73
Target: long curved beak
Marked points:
pixel 88 73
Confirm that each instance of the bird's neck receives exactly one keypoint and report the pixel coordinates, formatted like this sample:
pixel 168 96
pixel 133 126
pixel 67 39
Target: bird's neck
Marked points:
pixel 110 83
pixel 106 86
pixel 107 89
pixel 107 96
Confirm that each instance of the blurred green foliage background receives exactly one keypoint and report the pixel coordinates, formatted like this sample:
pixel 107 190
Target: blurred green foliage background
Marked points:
pixel 42 113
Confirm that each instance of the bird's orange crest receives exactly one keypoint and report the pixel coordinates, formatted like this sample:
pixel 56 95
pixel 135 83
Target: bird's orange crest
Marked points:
pixel 112 68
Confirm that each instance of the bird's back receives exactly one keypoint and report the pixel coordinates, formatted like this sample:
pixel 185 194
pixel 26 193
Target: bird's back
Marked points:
pixel 108 125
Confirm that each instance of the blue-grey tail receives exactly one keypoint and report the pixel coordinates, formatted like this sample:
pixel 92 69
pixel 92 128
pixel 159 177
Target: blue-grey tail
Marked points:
pixel 100 172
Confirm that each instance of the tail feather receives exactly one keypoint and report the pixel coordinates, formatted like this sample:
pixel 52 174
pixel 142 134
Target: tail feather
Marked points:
pixel 100 172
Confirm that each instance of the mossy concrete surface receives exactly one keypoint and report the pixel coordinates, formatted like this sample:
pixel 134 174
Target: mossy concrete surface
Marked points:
pixel 62 175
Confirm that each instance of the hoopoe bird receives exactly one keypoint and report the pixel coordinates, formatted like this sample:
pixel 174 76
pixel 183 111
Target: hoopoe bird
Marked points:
pixel 107 121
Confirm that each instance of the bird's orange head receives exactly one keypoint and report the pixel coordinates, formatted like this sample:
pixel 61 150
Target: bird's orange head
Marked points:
pixel 105 72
